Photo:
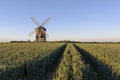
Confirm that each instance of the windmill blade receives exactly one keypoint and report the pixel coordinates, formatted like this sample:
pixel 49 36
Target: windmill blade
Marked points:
pixel 45 22
pixel 44 32
pixel 35 21
pixel 31 33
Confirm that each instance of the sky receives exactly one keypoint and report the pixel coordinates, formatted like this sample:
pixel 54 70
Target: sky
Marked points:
pixel 76 20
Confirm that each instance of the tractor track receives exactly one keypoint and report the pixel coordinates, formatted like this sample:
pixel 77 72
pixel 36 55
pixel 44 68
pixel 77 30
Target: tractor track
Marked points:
pixel 51 66
pixel 85 72
pixel 56 63
pixel 37 69
pixel 97 66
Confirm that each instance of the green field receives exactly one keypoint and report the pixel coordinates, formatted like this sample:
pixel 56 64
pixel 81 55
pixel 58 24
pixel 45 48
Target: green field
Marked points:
pixel 59 61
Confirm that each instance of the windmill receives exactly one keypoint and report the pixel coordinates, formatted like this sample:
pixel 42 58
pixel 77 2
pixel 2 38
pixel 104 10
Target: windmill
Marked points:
pixel 40 31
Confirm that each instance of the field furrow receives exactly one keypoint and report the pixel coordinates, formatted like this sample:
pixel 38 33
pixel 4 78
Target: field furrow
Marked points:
pixel 97 62
pixel 72 67
pixel 34 65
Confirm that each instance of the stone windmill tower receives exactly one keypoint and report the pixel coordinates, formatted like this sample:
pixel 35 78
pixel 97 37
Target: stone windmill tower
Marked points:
pixel 40 31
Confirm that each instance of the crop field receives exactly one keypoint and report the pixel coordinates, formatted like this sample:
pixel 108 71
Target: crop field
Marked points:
pixel 59 61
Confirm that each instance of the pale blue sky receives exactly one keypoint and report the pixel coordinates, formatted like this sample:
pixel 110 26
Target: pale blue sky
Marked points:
pixel 81 20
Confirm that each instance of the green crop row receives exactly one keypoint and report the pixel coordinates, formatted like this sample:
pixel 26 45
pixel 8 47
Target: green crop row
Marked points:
pixel 23 60
pixel 106 57
pixel 72 66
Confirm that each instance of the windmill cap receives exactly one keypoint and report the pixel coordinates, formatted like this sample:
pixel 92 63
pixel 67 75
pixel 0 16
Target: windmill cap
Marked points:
pixel 43 28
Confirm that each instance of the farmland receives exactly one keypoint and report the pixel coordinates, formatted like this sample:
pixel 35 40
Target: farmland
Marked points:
pixel 59 61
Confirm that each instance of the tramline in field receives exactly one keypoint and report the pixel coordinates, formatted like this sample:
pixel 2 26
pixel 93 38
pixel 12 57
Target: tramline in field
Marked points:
pixel 59 61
